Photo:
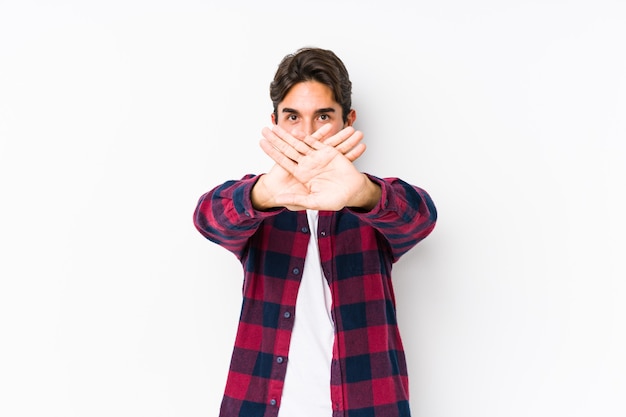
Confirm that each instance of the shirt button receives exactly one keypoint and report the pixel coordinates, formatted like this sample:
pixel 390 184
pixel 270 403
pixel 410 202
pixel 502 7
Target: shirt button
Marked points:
pixel 286 314
pixel 272 402
pixel 296 271
pixel 323 233
pixel 305 230
pixel 280 359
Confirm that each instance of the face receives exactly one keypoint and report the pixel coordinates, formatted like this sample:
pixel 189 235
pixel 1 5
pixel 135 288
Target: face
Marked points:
pixel 308 106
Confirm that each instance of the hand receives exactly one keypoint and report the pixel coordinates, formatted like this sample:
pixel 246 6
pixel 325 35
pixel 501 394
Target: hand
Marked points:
pixel 279 181
pixel 317 172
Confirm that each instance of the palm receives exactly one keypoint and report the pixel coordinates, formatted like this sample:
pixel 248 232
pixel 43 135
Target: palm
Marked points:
pixel 313 174
pixel 283 182
pixel 328 180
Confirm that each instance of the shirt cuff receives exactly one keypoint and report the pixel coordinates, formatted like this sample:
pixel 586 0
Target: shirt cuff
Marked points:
pixel 385 204
pixel 243 201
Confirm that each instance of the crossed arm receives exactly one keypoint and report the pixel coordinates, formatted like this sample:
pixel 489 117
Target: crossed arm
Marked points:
pixel 315 173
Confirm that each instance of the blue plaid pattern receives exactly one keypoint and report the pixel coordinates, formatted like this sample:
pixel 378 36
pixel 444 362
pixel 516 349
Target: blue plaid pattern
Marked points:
pixel 357 249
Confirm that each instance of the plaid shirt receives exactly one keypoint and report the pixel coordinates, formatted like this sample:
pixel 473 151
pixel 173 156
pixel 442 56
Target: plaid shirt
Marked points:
pixel 368 370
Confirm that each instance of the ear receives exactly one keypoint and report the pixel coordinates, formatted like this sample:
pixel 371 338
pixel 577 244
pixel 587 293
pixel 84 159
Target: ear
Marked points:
pixel 351 118
pixel 274 121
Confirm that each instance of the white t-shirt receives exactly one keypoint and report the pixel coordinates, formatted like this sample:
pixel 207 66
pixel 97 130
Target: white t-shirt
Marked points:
pixel 307 383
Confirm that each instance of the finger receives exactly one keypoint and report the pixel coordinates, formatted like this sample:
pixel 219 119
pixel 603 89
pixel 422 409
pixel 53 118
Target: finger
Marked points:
pixel 322 132
pixel 354 153
pixel 339 137
pixel 315 140
pixel 279 157
pixel 350 142
pixel 283 145
pixel 291 140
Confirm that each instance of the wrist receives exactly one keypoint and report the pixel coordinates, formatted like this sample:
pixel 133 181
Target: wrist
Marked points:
pixel 259 195
pixel 369 195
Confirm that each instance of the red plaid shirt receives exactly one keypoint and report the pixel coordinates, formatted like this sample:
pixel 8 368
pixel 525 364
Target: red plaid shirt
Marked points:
pixel 368 371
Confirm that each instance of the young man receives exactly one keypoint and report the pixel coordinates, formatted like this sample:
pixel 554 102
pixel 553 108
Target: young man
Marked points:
pixel 317 335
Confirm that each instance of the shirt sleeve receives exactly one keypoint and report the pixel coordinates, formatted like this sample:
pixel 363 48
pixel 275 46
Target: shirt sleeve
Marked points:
pixel 225 215
pixel 404 215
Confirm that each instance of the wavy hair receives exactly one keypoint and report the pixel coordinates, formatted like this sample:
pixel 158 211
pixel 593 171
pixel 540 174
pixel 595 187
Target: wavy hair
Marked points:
pixel 313 64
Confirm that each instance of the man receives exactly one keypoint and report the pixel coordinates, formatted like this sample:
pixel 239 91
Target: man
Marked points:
pixel 317 238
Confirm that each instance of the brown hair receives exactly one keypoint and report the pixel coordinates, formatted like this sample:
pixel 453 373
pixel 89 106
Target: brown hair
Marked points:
pixel 313 64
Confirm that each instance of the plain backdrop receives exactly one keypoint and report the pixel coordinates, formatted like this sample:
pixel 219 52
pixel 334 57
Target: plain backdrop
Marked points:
pixel 115 116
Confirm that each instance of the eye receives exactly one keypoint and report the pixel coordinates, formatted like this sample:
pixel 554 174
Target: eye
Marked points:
pixel 292 117
pixel 324 117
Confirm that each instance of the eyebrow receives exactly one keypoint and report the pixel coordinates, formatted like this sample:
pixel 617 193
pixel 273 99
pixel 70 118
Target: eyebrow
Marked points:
pixel 318 111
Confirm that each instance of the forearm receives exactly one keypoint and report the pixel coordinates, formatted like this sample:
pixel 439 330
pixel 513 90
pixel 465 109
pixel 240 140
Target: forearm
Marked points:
pixel 261 197
pixel 225 215
pixel 368 196
pixel 404 215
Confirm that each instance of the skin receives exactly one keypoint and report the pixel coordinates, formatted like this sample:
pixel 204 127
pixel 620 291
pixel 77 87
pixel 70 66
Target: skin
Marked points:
pixel 313 150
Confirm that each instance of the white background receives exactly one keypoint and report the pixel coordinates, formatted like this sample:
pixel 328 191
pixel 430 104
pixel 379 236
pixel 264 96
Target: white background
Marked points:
pixel 115 116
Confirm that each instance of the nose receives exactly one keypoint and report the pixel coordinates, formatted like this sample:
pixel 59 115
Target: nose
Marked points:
pixel 310 128
pixel 305 129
